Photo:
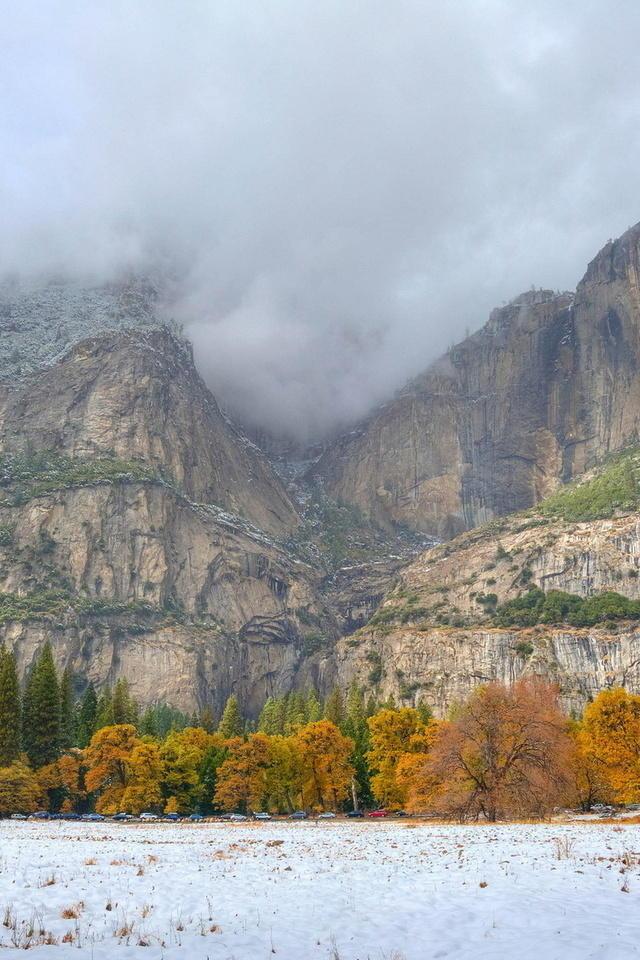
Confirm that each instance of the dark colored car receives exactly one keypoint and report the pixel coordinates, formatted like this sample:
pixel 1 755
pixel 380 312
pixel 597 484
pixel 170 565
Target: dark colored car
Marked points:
pixel 196 817
pixel 122 816
pixel 41 815
pixel 73 816
pixel 93 817
pixel 172 817
pixel 378 813
pixel 298 815
pixel 355 813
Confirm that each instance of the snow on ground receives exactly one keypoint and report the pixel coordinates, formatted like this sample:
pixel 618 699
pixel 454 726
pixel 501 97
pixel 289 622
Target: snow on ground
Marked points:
pixel 279 891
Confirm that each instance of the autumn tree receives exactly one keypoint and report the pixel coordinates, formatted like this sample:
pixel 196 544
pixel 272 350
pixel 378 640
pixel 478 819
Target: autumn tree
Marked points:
pixel 589 780
pixel 241 781
pixel 283 775
pixel 612 736
pixel 107 759
pixel 326 768
pixel 184 754
pixel 506 754
pixel 19 789
pixel 10 709
pixel 41 713
pixel 393 734
pixel 62 782
pixel 144 773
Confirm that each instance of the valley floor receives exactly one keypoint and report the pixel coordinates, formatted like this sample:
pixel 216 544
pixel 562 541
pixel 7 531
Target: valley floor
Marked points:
pixel 354 891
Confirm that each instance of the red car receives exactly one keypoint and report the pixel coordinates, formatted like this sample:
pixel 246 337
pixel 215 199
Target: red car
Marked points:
pixel 378 813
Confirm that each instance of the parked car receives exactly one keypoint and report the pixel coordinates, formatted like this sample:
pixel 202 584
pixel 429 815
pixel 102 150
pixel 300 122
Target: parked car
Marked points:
pixel 298 815
pixel 148 816
pixel 41 815
pixel 237 818
pixel 123 816
pixel 196 817
pixel 93 817
pixel 355 813
pixel 262 816
pixel 172 817
pixel 327 815
pixel 18 816
pixel 74 816
pixel 378 813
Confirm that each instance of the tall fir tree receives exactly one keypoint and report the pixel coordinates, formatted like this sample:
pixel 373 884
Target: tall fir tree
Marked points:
pixel 231 723
pixel 67 711
pixel 87 716
pixel 334 707
pixel 41 713
pixel 104 710
pixel 124 707
pixel 314 707
pixel 10 709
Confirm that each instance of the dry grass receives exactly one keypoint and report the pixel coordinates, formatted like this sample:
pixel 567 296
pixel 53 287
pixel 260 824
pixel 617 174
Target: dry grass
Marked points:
pixel 72 912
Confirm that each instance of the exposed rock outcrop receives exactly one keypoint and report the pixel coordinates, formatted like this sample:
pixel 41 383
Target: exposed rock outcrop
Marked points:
pixel 550 385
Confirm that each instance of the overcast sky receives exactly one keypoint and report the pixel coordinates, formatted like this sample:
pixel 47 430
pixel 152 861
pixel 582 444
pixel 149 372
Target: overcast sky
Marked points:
pixel 346 187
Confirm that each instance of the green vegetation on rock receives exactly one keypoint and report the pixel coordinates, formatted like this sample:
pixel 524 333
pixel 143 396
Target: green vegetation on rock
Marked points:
pixel 615 488
pixel 557 607
pixel 29 475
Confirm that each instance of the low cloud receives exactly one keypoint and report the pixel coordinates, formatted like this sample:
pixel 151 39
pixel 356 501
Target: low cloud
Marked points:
pixel 342 189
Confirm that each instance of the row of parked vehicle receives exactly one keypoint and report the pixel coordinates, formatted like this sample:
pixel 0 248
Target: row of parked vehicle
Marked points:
pixel 197 817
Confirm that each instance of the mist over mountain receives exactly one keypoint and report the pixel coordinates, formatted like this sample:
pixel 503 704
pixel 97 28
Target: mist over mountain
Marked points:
pixel 336 192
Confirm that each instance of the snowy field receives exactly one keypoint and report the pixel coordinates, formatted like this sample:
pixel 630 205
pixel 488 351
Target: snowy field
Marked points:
pixel 301 891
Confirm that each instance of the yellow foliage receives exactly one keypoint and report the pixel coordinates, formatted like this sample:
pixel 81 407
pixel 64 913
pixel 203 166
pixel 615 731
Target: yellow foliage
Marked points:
pixel 19 789
pixel 611 727
pixel 326 769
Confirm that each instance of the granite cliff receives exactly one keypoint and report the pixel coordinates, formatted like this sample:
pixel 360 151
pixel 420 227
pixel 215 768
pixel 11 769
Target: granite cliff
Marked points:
pixel 548 387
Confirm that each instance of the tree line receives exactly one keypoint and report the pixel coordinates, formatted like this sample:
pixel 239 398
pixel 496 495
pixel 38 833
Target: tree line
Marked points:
pixel 505 752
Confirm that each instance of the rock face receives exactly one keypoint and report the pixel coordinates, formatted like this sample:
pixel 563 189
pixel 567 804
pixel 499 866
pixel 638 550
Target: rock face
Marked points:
pixel 547 387
pixel 434 636
pixel 137 395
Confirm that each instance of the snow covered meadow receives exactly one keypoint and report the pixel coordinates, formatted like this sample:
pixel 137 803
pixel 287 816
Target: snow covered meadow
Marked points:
pixel 296 891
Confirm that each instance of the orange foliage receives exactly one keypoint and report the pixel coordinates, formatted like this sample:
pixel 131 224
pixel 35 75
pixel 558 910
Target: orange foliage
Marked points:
pixel 326 770
pixel 507 754
pixel 611 726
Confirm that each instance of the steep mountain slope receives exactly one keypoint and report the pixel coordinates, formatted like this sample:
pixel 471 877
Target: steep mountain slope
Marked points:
pixel 137 395
pixel 147 538
pixel 531 593
pixel 547 387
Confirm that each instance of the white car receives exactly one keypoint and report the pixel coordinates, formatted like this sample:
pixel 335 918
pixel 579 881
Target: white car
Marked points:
pixel 237 817
pixel 327 815
pixel 148 816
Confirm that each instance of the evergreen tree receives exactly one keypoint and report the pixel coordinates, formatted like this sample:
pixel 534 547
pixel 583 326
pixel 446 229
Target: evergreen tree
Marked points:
pixel 41 715
pixel 231 724
pixel 124 707
pixel 67 712
pixel 295 713
pixel 356 727
pixel 10 738
pixel 206 720
pixel 313 707
pixel 87 716
pixel 104 709
pixel 148 723
pixel 334 708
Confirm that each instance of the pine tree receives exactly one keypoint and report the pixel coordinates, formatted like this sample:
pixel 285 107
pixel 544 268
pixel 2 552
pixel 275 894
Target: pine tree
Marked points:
pixel 67 712
pixel 148 723
pixel 87 716
pixel 206 720
pixel 356 727
pixel 104 709
pixel 295 713
pixel 231 724
pixel 125 708
pixel 10 738
pixel 41 714
pixel 314 707
pixel 334 707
